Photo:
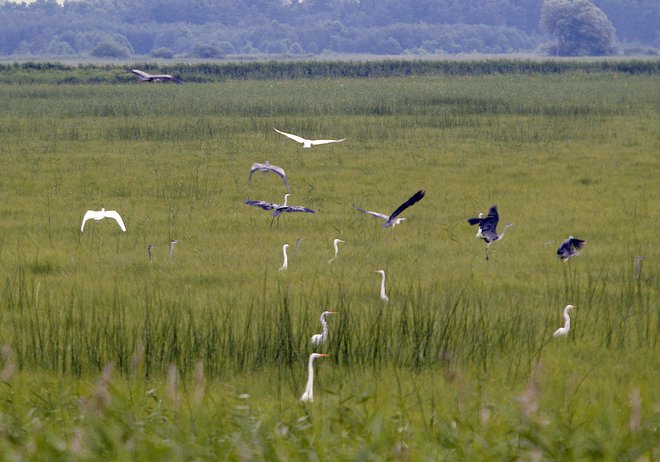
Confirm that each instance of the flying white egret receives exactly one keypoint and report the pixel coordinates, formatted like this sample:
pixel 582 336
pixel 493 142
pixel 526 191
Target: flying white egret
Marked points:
pixel 173 242
pixel 145 77
pixel 267 167
pixel 285 265
pixel 149 247
pixel 318 339
pixel 308 395
pixel 335 244
pixel 488 227
pixel 638 265
pixel 567 323
pixel 279 209
pixel 570 248
pixel 100 215
pixel 383 296
pixel 305 142
pixel 394 219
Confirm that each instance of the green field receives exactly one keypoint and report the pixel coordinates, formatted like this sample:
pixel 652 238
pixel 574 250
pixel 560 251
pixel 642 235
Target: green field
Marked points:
pixel 205 353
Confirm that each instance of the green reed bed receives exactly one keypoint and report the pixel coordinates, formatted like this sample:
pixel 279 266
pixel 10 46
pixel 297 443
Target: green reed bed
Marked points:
pixel 205 352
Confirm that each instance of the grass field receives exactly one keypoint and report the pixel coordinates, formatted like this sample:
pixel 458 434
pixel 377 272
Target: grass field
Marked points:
pixel 202 356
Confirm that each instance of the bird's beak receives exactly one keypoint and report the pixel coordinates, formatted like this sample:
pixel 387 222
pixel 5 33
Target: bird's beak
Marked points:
pixel 332 312
pixel 324 354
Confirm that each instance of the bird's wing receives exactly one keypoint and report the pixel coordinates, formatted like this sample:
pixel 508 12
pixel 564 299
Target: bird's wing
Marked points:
pixel 577 243
pixel 88 216
pixel 114 215
pixel 143 75
pixel 474 221
pixel 296 208
pixel 315 142
pixel 261 204
pixel 168 77
pixel 255 167
pixel 564 250
pixel 375 214
pixel 418 196
pixel 280 172
pixel 488 225
pixel 297 138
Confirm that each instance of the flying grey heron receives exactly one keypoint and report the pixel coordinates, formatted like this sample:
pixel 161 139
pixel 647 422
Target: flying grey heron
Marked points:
pixel 488 228
pixel 267 167
pixel 145 77
pixel 305 142
pixel 318 339
pixel 562 331
pixel 570 248
pixel 279 209
pixel 394 219
pixel 99 215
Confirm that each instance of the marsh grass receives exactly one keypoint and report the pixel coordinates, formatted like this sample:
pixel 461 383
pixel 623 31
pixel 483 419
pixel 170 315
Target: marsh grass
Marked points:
pixel 445 369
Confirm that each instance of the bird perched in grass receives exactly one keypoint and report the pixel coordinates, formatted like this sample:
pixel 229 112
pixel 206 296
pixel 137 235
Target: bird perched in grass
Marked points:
pixel 562 331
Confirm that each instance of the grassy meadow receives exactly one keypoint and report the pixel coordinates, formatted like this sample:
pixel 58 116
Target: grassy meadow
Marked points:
pixel 203 355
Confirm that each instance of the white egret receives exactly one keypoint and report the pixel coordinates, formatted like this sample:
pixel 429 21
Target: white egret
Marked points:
pixel 267 167
pixel 567 323
pixel 99 215
pixel 305 142
pixel 335 244
pixel 308 395
pixel 393 219
pixel 285 265
pixel 638 265
pixel 318 339
pixel 145 77
pixel 383 296
pixel 173 242
pixel 488 227
pixel 570 248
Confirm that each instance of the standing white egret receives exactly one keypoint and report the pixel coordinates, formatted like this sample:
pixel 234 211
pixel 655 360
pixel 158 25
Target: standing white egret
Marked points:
pixel 267 167
pixel 335 244
pixel 173 242
pixel 304 141
pixel 285 265
pixel 308 395
pixel 567 323
pixel 383 296
pixel 570 248
pixel 318 339
pixel 100 215
pixel 638 265
pixel 393 219
pixel 488 228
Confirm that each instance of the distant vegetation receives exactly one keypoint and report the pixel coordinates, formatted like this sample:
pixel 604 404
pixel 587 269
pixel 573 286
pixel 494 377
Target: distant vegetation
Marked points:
pixel 215 29
pixel 46 72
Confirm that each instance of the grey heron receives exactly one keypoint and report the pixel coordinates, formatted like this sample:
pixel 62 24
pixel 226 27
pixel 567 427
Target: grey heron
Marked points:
pixel 285 265
pixel 393 219
pixel 562 331
pixel 145 77
pixel 149 247
pixel 298 242
pixel 267 167
pixel 488 228
pixel 638 265
pixel 383 296
pixel 570 248
pixel 335 244
pixel 305 142
pixel 279 209
pixel 99 215
pixel 308 395
pixel 318 339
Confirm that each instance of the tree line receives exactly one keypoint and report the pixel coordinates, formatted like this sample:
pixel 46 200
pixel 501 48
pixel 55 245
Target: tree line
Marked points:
pixel 218 28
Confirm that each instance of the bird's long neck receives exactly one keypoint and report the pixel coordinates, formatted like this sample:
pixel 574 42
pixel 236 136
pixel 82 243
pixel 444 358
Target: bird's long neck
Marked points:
pixel 382 286
pixel 503 231
pixel 286 259
pixel 324 333
pixel 286 200
pixel 309 389
pixel 567 319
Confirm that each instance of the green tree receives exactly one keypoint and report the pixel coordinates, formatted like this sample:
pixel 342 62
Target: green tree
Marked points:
pixel 580 28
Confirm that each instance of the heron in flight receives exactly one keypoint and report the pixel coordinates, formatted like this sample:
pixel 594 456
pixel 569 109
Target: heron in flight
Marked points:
pixel 305 142
pixel 99 215
pixel 570 248
pixel 267 167
pixel 285 265
pixel 562 331
pixel 308 395
pixel 318 339
pixel 335 244
pixel 394 219
pixel 383 296
pixel 145 77
pixel 488 228
pixel 279 209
